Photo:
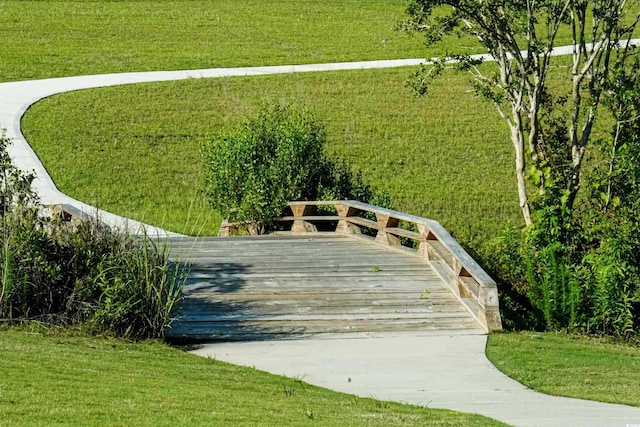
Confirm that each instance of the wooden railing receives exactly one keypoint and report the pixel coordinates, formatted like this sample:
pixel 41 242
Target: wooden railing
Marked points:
pixel 68 213
pixel 420 236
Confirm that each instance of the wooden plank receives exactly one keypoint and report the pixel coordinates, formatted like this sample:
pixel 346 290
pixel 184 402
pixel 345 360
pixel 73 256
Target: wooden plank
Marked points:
pixel 282 288
pixel 324 296
pixel 330 251
pixel 300 284
pixel 252 257
pixel 312 203
pixel 404 233
pixel 301 259
pixel 413 279
pixel 320 297
pixel 330 325
pixel 363 222
pixel 383 211
pixel 283 306
pixel 304 284
pixel 325 239
pixel 242 272
pixel 218 309
pixel 315 315
pixel 260 330
pixel 453 247
pixel 256 240
pixel 367 269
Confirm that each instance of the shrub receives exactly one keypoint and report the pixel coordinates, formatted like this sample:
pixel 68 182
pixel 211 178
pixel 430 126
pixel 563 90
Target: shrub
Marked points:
pixel 504 260
pixel 87 274
pixel 252 171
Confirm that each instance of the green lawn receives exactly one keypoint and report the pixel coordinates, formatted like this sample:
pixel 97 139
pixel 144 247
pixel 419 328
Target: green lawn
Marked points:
pixel 64 38
pixel 569 365
pixel 62 379
pixel 134 150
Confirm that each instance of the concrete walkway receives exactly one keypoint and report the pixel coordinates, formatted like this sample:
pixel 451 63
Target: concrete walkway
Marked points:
pixel 439 371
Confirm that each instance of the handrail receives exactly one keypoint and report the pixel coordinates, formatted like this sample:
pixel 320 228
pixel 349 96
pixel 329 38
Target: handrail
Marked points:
pixel 68 213
pixel 461 273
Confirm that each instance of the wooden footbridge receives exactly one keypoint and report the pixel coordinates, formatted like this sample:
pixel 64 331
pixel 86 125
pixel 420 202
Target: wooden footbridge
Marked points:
pixel 335 267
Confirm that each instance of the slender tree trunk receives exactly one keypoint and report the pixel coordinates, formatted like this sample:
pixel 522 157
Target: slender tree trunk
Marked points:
pixel 517 137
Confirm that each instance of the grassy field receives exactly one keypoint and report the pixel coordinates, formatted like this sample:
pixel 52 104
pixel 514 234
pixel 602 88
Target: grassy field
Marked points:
pixel 64 38
pixel 62 379
pixel 135 150
pixel 568 365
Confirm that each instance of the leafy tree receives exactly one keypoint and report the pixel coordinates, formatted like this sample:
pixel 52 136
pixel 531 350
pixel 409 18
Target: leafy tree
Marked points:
pixel 611 214
pixel 520 36
pixel 577 260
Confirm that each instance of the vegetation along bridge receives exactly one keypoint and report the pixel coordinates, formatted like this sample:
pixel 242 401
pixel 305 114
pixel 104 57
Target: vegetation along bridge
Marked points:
pixel 338 267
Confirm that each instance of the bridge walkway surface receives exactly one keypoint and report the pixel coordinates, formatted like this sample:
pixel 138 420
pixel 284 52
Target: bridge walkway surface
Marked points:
pixel 274 287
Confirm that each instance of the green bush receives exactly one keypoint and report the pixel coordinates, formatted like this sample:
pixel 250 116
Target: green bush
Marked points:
pixel 252 171
pixel 582 268
pixel 85 274
pixel 503 258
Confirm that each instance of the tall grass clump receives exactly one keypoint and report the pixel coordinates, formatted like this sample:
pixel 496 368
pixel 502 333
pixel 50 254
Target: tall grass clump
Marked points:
pixel 79 274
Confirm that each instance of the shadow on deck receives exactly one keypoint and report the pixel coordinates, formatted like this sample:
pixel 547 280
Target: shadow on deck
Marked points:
pixel 289 287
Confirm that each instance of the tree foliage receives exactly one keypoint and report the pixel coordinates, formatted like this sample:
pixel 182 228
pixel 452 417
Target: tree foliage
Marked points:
pixel 578 260
pixel 520 36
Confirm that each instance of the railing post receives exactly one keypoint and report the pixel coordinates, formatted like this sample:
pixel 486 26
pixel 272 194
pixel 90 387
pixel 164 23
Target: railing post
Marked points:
pixel 344 211
pixel 300 226
pixel 491 307
pixel 224 229
pixel 382 237
pixel 423 229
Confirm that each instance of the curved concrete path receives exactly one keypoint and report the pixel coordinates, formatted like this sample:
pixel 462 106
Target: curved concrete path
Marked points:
pixel 17 97
pixel 440 371
pixel 436 371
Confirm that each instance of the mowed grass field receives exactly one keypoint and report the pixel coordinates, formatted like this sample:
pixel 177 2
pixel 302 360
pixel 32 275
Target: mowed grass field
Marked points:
pixel 66 38
pixel 134 150
pixel 61 378
pixel 593 368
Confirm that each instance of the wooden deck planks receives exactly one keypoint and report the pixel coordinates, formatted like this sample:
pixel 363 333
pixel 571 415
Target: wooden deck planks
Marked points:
pixel 246 288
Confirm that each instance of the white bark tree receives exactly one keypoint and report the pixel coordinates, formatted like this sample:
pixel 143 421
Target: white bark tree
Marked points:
pixel 521 35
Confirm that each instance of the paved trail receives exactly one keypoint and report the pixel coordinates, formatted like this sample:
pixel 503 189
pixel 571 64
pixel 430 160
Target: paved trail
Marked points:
pixel 439 371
